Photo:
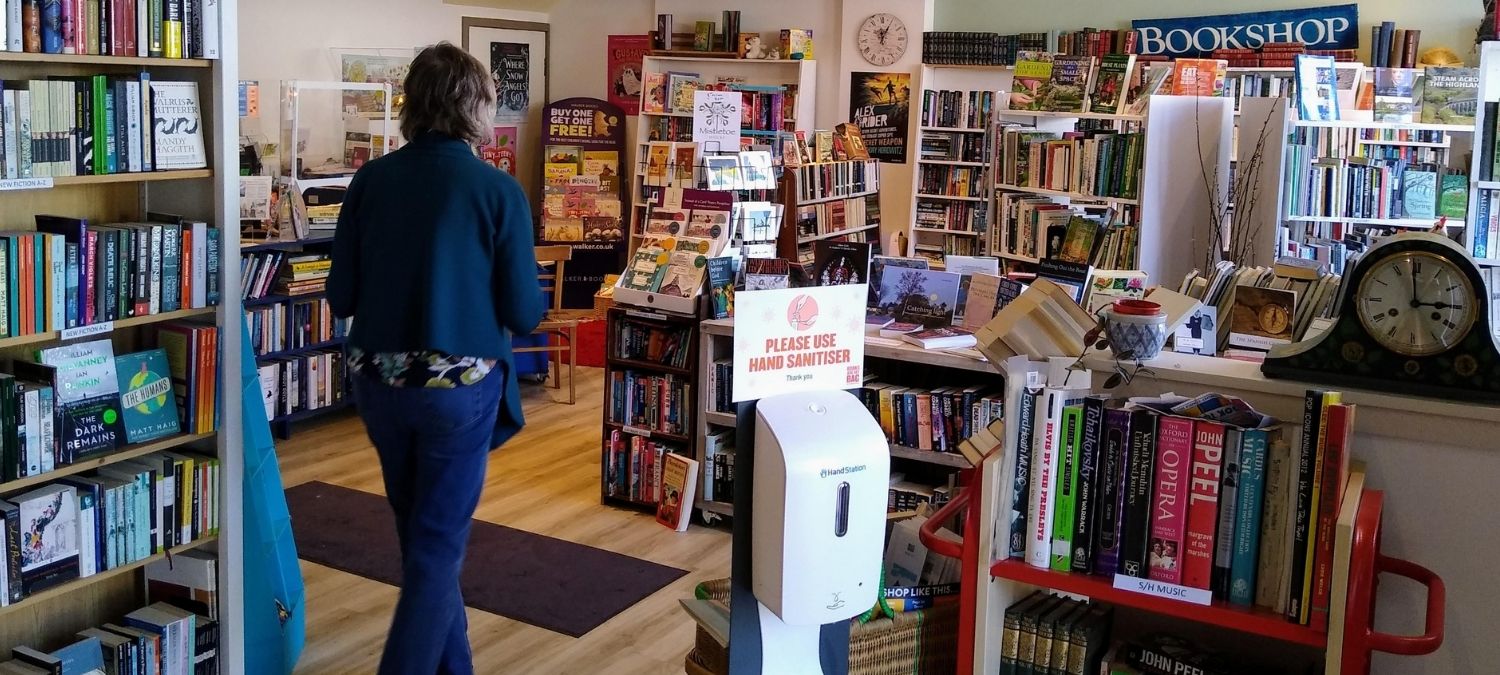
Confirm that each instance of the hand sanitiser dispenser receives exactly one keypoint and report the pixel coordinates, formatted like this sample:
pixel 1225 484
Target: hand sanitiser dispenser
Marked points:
pixel 822 472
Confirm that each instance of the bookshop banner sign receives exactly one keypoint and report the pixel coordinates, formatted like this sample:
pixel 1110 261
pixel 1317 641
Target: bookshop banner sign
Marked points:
pixel 1329 27
pixel 790 340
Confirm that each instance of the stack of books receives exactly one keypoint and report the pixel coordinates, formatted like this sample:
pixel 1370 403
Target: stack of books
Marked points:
pixel 304 382
pixel 1052 633
pixel 931 419
pixel 303 275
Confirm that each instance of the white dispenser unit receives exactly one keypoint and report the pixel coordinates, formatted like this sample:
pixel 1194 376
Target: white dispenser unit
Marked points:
pixel 822 472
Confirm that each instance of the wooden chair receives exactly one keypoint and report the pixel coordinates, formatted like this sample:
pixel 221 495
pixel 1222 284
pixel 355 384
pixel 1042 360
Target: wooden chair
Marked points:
pixel 556 323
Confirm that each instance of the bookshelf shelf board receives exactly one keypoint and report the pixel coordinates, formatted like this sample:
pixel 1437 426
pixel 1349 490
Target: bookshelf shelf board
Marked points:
pixel 1408 144
pixel 666 114
pixel 821 200
pixel 53 336
pixel 840 233
pixel 924 195
pixel 301 350
pixel 648 365
pixel 1260 69
pixel 675 438
pixel 1073 115
pixel 1222 614
pixel 314 412
pixel 1069 195
pixel 720 327
pixel 970 66
pixel 722 419
pixel 721 508
pixel 275 299
pixel 293 245
pixel 956 233
pixel 1487 184
pixel 66 588
pixel 902 351
pixel 1019 258
pixel 1362 124
pixel 1487 262
pixel 98 60
pixel 1423 223
pixel 139 177
pixel 961 130
pixel 952 459
pixel 124 454
pixel 616 500
pixel 950 162
pixel 686 55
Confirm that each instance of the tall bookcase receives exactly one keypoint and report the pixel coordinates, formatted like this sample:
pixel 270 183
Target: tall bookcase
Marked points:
pixel 952 183
pixel 837 201
pixel 49 619
pixel 800 74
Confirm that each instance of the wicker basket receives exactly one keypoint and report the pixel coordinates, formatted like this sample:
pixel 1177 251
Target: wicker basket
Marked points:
pixel 921 642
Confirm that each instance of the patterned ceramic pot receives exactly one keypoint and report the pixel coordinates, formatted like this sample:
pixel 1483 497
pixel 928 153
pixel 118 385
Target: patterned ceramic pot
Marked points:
pixel 1135 327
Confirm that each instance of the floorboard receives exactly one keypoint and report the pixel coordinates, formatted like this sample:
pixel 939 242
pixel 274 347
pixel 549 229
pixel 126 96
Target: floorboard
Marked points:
pixel 546 481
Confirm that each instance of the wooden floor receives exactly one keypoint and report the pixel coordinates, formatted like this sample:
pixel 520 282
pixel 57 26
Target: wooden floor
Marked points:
pixel 546 481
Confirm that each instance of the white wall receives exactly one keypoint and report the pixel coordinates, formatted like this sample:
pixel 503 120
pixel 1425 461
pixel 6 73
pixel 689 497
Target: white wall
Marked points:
pixel 1447 23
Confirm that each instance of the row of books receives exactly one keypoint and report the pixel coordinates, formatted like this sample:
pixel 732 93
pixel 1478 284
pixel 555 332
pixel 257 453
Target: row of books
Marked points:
pixel 301 383
pixel 826 218
pixel 633 466
pixel 1303 290
pixel 1067 235
pixel 169 638
pixel 667 345
pixel 1096 42
pixel 764 107
pixel 172 29
pixel 952 146
pixel 934 253
pixel 1254 527
pixel 108 518
pixel 1062 83
pixel 718 467
pixel 99 125
pixel 721 386
pixel 297 325
pixel 1268 55
pixel 1392 47
pixel 1371 188
pixel 953 181
pixel 906 496
pixel 827 180
pixel 1487 225
pixel 661 403
pixel 1046 633
pixel 962 48
pixel 931 419
pixel 1102 164
pixel 958 109
pixel 939 214
pixel 69 273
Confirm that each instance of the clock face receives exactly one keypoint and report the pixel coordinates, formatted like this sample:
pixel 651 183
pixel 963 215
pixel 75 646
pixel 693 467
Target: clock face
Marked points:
pixel 882 39
pixel 1416 304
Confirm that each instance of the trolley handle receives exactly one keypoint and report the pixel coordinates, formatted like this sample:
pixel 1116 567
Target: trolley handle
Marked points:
pixel 928 532
pixel 1413 645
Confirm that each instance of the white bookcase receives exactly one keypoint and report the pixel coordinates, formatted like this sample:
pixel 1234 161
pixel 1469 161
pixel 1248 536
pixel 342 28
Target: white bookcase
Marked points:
pixel 1489 92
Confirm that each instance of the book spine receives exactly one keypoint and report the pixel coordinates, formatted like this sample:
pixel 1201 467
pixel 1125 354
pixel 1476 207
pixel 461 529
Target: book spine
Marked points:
pixel 1067 484
pixel 1136 514
pixel 1247 519
pixel 1021 489
pixel 1044 478
pixel 1340 425
pixel 1087 509
pixel 1302 525
pixel 1113 463
pixel 171 274
pixel 212 42
pixel 172 29
pixel 1203 504
pixel 15 40
pixel 111 281
pixel 211 258
pixel 1174 451
pixel 13 552
pixel 31 25
pixel 1228 503
pixel 1271 569
pixel 154 284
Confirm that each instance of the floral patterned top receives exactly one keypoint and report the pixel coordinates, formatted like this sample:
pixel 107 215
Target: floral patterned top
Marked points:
pixel 430 369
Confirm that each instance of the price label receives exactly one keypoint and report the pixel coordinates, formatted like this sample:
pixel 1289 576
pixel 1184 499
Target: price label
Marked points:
pixel 88 331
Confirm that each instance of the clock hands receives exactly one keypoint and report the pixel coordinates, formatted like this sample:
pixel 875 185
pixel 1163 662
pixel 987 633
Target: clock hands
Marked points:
pixel 1438 305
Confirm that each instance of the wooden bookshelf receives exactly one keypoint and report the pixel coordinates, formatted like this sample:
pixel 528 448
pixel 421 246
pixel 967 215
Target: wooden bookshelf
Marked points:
pixel 124 454
pixel 67 589
pixel 684 443
pixel 102 61
pixel 794 246
pixel 131 322
pixel 138 177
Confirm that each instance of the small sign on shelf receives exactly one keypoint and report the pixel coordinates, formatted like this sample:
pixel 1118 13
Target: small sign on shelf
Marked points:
pixel 1161 589
pixel 87 331
pixel 44 183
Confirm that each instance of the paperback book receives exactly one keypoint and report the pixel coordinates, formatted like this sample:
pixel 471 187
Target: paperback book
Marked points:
pixel 1107 95
pixel 926 297
pixel 146 400
pixel 1450 95
pixel 88 397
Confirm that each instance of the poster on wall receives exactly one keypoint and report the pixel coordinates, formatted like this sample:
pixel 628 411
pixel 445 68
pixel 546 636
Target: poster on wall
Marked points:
pixel 625 54
pixel 510 67
pixel 1329 27
pixel 499 150
pixel 879 104
pixel 582 195
pixel 372 69
pixel 798 339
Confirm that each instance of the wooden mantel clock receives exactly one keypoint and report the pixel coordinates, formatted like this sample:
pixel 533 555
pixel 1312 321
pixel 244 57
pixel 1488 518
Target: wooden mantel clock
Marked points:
pixel 1414 319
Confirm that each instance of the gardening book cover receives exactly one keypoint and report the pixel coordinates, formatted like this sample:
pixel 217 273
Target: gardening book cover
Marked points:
pixel 1032 73
pixel 1107 95
pixel 679 482
pixel 146 400
pixel 1069 82
pixel 88 396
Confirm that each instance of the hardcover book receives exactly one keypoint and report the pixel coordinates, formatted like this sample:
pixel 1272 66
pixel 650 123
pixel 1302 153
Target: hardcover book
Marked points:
pixel 177 126
pixel 1395 94
pixel 1261 317
pixel 1107 95
pixel 721 286
pixel 841 263
pixel 1450 95
pixel 1047 452
pixel 1203 504
pixel 1033 70
pixel 1229 494
pixel 1174 451
pixel 1068 84
pixel 146 401
pixel 1335 477
pixel 1113 463
pixel 1274 559
pixel 1317 96
pixel 1198 77
pixel 1242 568
pixel 927 297
pixel 1067 489
pixel 88 397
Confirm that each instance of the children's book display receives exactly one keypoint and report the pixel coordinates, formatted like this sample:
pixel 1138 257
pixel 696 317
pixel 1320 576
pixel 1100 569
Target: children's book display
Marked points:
pixel 583 193
pixel 681 234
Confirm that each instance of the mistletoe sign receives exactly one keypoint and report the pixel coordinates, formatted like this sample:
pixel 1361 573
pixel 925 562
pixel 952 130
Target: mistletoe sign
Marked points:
pixel 716 120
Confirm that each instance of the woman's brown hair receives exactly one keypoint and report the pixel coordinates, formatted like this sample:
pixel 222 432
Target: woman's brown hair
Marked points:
pixel 449 92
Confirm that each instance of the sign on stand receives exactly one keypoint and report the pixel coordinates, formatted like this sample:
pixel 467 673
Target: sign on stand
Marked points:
pixel 798 339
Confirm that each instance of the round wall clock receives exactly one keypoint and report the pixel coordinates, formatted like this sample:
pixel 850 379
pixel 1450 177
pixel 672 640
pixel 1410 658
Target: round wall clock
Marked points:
pixel 882 39
pixel 1413 318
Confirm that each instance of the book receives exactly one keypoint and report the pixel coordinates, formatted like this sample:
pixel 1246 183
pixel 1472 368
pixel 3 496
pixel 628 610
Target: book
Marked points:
pixel 940 338
pixel 1203 504
pixel 896 329
pixel 1453 201
pixel 1335 477
pixel 654 92
pixel 1152 82
pixel 1033 70
pixel 1068 85
pixel 1163 653
pixel 878 266
pixel 1107 286
pixel 1198 77
pixel 1279 503
pixel 1261 317
pixel 1395 94
pixel 1229 482
pixel 839 263
pixel 1317 98
pixel 84 657
pixel 1067 488
pixel 1114 461
pixel 1047 452
pixel 1010 638
pixel 1107 95
pixel 1135 513
pixel 679 482
pixel 1174 452
pixel 721 286
pixel 1419 193
pixel 1242 569
pixel 148 407
pixel 49 551
pixel 987 295
pixel 1449 95
pixel 1072 277
pixel 680 89
pixel 88 397
pixel 1314 405
pixel 177 124
pixel 926 297
pixel 1020 489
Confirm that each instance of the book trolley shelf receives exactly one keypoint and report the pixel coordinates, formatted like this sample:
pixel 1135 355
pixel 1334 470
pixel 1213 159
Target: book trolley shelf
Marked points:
pixel 716 345
pixel 48 619
pixel 990 585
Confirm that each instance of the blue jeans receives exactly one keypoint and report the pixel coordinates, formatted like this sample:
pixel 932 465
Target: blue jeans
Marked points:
pixel 433 446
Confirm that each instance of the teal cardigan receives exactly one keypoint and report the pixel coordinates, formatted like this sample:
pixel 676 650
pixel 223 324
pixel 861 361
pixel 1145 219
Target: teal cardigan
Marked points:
pixel 434 251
